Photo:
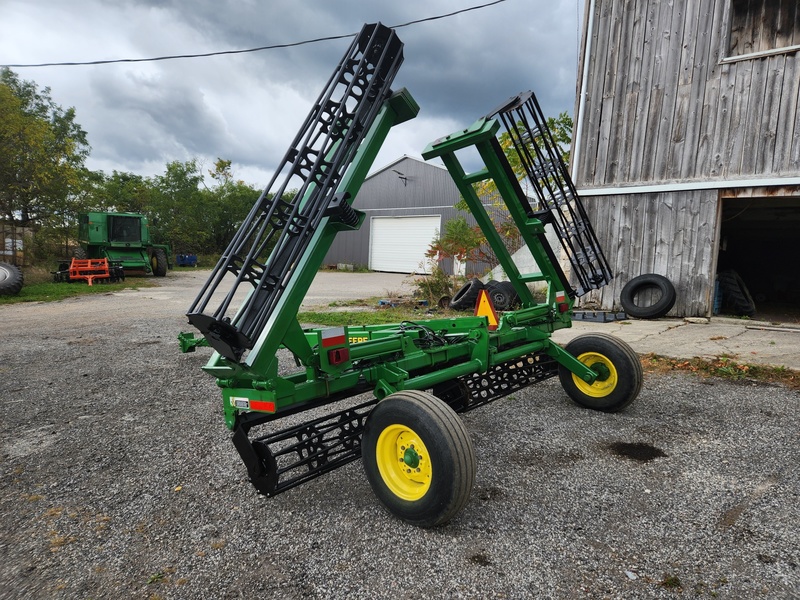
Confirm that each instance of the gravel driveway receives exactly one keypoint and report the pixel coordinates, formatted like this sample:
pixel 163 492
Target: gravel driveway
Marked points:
pixel 119 481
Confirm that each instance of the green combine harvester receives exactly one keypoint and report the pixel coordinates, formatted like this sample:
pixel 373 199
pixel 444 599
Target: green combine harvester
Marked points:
pixel 393 391
pixel 124 240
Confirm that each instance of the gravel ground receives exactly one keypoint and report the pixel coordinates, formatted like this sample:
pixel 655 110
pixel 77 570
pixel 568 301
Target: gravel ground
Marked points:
pixel 119 481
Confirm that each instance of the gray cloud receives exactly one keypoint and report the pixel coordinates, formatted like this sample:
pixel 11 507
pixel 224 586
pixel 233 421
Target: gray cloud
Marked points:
pixel 248 107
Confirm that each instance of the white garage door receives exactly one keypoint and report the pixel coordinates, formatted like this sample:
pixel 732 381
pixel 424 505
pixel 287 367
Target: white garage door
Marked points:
pixel 399 244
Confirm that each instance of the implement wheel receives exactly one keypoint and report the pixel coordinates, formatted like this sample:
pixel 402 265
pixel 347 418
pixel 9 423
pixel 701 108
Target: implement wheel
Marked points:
pixel 618 367
pixel 418 458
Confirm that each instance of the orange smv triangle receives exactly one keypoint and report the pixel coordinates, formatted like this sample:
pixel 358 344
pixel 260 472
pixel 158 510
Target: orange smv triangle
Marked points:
pixel 485 308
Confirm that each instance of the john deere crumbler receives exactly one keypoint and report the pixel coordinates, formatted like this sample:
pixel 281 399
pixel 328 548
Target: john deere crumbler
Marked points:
pixel 393 392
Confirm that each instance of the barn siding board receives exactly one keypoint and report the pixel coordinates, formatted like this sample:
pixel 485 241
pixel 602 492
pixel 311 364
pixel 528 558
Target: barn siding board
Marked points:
pixel 754 116
pixel 700 132
pixel 787 123
pixel 774 89
pixel 671 52
pixel 648 44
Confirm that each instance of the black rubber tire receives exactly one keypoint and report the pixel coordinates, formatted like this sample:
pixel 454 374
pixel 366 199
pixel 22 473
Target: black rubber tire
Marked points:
pixel 159 262
pixel 79 253
pixel 439 433
pixel 10 279
pixel 615 391
pixel 511 292
pixel 649 281
pixel 735 295
pixel 466 297
pixel 499 295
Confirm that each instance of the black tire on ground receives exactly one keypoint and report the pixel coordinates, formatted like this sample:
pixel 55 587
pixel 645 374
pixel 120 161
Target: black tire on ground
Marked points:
pixel 619 367
pixel 511 292
pixel 465 297
pixel 657 286
pixel 735 295
pixel 418 458
pixel 79 253
pixel 10 279
pixel 499 295
pixel 159 262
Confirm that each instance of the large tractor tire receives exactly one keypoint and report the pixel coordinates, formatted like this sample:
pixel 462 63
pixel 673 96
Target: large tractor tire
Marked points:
pixel 418 458
pixel 159 262
pixel 620 373
pixel 735 295
pixel 10 279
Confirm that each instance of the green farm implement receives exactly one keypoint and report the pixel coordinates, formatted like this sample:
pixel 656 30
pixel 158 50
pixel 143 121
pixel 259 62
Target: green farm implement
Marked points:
pixel 121 239
pixel 393 391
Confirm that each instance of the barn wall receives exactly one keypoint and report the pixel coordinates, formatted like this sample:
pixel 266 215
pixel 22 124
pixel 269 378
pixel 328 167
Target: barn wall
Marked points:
pixel 662 104
pixel 673 234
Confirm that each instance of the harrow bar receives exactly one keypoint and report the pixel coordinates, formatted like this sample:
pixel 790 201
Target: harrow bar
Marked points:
pixel 557 201
pixel 274 237
pixel 284 459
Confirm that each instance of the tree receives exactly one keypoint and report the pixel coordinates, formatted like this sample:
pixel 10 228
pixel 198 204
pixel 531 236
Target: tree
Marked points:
pixel 42 152
pixel 230 201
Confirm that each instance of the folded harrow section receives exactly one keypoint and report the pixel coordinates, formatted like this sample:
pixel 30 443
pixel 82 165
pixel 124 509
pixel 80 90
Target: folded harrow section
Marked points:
pixel 556 200
pixel 273 240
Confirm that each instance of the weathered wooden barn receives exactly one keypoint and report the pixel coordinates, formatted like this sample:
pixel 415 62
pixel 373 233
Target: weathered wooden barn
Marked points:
pixel 407 204
pixel 686 149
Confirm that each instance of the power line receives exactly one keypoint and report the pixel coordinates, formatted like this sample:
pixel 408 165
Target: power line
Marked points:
pixel 247 50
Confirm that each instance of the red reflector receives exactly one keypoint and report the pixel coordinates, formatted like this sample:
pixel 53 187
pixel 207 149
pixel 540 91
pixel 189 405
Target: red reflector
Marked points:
pixel 262 405
pixel 338 355
pixel 563 307
pixel 333 337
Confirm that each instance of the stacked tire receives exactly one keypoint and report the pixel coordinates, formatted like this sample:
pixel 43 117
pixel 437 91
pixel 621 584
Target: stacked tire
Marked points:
pixel 502 294
pixel 735 295
pixel 10 279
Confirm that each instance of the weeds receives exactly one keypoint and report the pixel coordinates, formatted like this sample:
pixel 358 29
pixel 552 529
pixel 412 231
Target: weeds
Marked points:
pixel 724 367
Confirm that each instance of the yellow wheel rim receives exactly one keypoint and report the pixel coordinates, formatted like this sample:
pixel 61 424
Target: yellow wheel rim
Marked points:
pixel 403 462
pixel 607 380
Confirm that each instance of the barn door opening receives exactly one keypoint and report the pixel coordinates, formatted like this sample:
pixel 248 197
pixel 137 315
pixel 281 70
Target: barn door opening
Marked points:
pixel 759 242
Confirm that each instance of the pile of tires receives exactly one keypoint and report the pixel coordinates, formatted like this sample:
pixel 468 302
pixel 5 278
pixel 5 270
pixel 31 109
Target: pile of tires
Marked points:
pixel 10 279
pixel 502 294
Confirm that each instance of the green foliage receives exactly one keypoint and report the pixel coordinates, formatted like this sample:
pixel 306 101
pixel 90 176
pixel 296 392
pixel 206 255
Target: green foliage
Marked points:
pixel 460 241
pixel 437 285
pixel 42 152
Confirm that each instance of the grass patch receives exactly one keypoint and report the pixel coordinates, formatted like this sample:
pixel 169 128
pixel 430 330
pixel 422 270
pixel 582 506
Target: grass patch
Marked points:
pixel 48 291
pixel 370 317
pixel 723 367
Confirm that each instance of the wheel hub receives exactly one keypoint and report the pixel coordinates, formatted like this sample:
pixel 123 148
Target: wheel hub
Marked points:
pixel 404 462
pixel 411 458
pixel 603 372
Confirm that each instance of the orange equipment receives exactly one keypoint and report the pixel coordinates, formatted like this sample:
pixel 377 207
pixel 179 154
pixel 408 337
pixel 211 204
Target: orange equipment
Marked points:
pixel 89 269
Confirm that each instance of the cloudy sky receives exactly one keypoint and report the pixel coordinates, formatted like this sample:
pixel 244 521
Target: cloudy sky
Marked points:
pixel 248 107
